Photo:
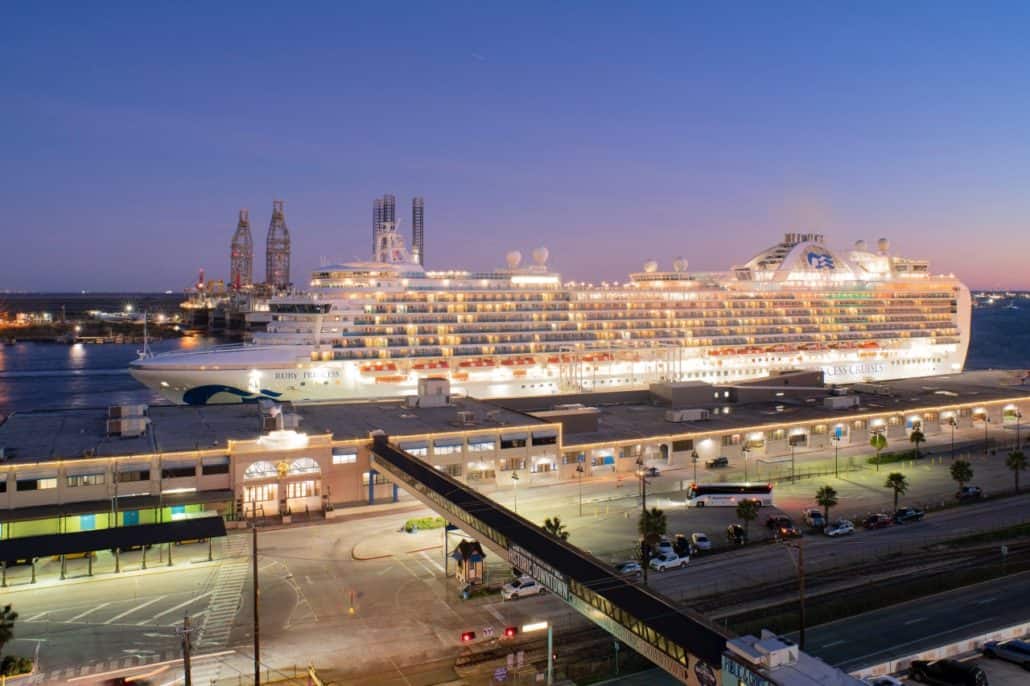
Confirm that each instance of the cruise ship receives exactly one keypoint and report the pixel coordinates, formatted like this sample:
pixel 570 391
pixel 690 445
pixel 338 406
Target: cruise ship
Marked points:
pixel 368 330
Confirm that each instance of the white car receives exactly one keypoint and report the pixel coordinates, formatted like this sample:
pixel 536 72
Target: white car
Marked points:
pixel 664 546
pixel 883 681
pixel 520 588
pixel 668 561
pixel 841 527
pixel 701 541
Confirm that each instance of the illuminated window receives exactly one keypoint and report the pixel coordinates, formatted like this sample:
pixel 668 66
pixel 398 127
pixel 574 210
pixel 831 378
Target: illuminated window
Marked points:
pixel 304 465
pixel 345 456
pixel 260 470
pixel 76 480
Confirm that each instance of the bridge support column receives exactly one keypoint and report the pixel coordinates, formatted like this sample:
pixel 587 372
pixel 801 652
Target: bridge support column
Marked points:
pixel 395 497
pixel 372 486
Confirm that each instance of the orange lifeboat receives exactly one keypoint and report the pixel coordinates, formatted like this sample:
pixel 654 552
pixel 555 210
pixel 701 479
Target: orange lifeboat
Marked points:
pixel 477 363
pixel 394 378
pixel 518 362
pixel 379 368
pixel 430 365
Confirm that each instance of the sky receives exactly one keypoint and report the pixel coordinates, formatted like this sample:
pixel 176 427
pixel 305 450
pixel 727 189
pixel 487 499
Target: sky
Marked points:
pixel 612 133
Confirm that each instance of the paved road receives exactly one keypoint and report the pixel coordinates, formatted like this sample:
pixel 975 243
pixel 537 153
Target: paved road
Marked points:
pixel 877 636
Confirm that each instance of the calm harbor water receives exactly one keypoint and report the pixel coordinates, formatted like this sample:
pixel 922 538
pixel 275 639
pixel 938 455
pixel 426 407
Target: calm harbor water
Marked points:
pixel 49 375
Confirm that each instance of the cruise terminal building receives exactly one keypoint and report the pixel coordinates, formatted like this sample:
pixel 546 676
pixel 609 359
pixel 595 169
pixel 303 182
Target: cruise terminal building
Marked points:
pixel 169 470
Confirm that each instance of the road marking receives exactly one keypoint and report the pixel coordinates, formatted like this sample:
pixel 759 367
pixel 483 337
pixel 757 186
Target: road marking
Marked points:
pixel 35 617
pixel 916 620
pixel 433 562
pixel 131 610
pixel 493 610
pixel 83 614
pixel 834 643
pixel 179 606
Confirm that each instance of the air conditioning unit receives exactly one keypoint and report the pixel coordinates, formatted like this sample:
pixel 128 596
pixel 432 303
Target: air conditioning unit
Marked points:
pixel 465 417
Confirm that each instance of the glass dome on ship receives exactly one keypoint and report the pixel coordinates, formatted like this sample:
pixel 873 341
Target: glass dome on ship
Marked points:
pixel 366 330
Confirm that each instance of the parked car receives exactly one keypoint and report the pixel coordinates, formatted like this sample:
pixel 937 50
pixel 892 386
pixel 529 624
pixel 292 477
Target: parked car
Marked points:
pixel 1011 651
pixel 716 462
pixel 841 527
pixel 652 471
pixel 520 588
pixel 947 673
pixel 814 518
pixel 967 493
pixel 629 568
pixel 701 541
pixel 735 534
pixel 664 545
pixel 682 546
pixel 877 521
pixel 668 561
pixel 782 526
pixel 908 514
pixel 884 680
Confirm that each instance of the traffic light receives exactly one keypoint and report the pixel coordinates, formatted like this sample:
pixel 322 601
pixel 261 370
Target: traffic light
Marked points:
pixel 509 632
pixel 467 636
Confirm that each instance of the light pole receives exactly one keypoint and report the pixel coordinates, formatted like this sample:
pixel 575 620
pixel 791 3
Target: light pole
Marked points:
pixel 540 626
pixel 643 484
pixel 693 458
pixel 799 565
pixel 1019 416
pixel 953 422
pixel 791 442
pixel 515 481
pixel 987 423
pixel 579 470
pixel 745 452
pixel 836 452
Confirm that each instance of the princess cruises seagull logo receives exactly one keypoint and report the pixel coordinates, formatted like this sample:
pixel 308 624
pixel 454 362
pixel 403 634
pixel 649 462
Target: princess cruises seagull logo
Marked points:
pixel 820 260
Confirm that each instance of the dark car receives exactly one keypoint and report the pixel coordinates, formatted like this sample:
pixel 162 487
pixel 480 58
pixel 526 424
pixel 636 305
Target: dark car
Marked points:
pixel 735 534
pixel 877 521
pixel 717 462
pixel 681 546
pixel 947 673
pixel 967 493
pixel 652 471
pixel 1017 652
pixel 908 514
pixel 782 526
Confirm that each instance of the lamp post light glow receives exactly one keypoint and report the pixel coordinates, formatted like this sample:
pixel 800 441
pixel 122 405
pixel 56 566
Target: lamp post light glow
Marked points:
pixel 540 626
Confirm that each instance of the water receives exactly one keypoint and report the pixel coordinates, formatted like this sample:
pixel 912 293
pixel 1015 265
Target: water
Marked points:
pixel 51 375
pixel 48 375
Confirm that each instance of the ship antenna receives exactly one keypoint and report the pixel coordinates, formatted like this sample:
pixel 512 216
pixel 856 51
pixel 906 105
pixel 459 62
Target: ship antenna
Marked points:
pixel 145 353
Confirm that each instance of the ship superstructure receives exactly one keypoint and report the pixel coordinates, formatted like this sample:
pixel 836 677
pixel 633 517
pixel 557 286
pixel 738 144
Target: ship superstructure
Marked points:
pixel 373 329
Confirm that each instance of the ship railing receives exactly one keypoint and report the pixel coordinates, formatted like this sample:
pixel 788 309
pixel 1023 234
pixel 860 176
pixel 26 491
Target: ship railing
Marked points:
pixel 225 348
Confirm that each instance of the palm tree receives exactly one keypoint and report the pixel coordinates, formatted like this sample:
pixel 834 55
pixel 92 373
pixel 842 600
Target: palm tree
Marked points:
pixel 652 523
pixel 747 512
pixel 917 437
pixel 827 498
pixel 962 472
pixel 879 442
pixel 556 527
pixel 1016 461
pixel 7 617
pixel 899 484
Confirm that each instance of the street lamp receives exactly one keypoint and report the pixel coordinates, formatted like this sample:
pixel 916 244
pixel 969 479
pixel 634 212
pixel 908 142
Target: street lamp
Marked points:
pixel 693 458
pixel 515 481
pixel 745 452
pixel 799 565
pixel 953 421
pixel 579 471
pixel 1019 416
pixel 987 423
pixel 790 441
pixel 836 452
pixel 540 626
pixel 643 484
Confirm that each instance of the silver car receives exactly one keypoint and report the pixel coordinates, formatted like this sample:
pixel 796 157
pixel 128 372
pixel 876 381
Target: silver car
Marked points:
pixel 1011 651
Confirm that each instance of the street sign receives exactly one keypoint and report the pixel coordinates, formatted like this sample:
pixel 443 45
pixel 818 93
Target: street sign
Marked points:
pixel 500 674
pixel 511 660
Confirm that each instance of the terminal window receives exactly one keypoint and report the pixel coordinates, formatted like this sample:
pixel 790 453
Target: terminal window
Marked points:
pixel 37 484
pixel 85 480
pixel 345 458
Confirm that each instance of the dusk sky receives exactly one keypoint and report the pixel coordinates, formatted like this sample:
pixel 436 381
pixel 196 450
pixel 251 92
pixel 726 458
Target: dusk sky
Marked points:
pixel 609 132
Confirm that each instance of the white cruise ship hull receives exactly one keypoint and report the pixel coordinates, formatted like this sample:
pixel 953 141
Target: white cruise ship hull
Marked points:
pixel 287 373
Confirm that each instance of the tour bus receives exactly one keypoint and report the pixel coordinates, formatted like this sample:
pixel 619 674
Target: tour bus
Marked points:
pixel 728 495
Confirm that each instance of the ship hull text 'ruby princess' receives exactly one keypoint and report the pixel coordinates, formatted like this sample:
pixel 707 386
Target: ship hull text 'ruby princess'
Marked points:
pixel 369 330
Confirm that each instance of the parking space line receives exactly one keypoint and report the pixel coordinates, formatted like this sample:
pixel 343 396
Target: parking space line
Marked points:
pixel 432 561
pixel 35 617
pixel 178 607
pixel 83 614
pixel 134 609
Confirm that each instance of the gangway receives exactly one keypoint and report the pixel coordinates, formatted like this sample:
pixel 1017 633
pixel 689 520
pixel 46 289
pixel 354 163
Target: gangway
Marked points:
pixel 682 642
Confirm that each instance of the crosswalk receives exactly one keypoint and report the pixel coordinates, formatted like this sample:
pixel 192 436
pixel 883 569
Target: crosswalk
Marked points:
pixel 226 600
pixel 72 674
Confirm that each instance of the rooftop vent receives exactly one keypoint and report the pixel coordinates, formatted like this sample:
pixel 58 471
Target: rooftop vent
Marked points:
pixel 466 418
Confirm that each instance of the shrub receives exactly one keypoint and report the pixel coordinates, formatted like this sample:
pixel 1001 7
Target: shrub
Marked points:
pixel 13 665
pixel 424 523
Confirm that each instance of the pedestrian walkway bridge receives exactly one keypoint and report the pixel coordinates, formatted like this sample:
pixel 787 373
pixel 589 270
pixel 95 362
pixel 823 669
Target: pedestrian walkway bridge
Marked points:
pixel 682 642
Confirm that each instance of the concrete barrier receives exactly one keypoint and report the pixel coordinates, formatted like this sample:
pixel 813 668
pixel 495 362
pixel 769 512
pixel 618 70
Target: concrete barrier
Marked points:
pixel 963 647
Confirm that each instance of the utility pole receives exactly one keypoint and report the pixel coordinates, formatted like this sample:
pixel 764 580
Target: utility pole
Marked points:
pixel 799 565
pixel 186 631
pixel 257 596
